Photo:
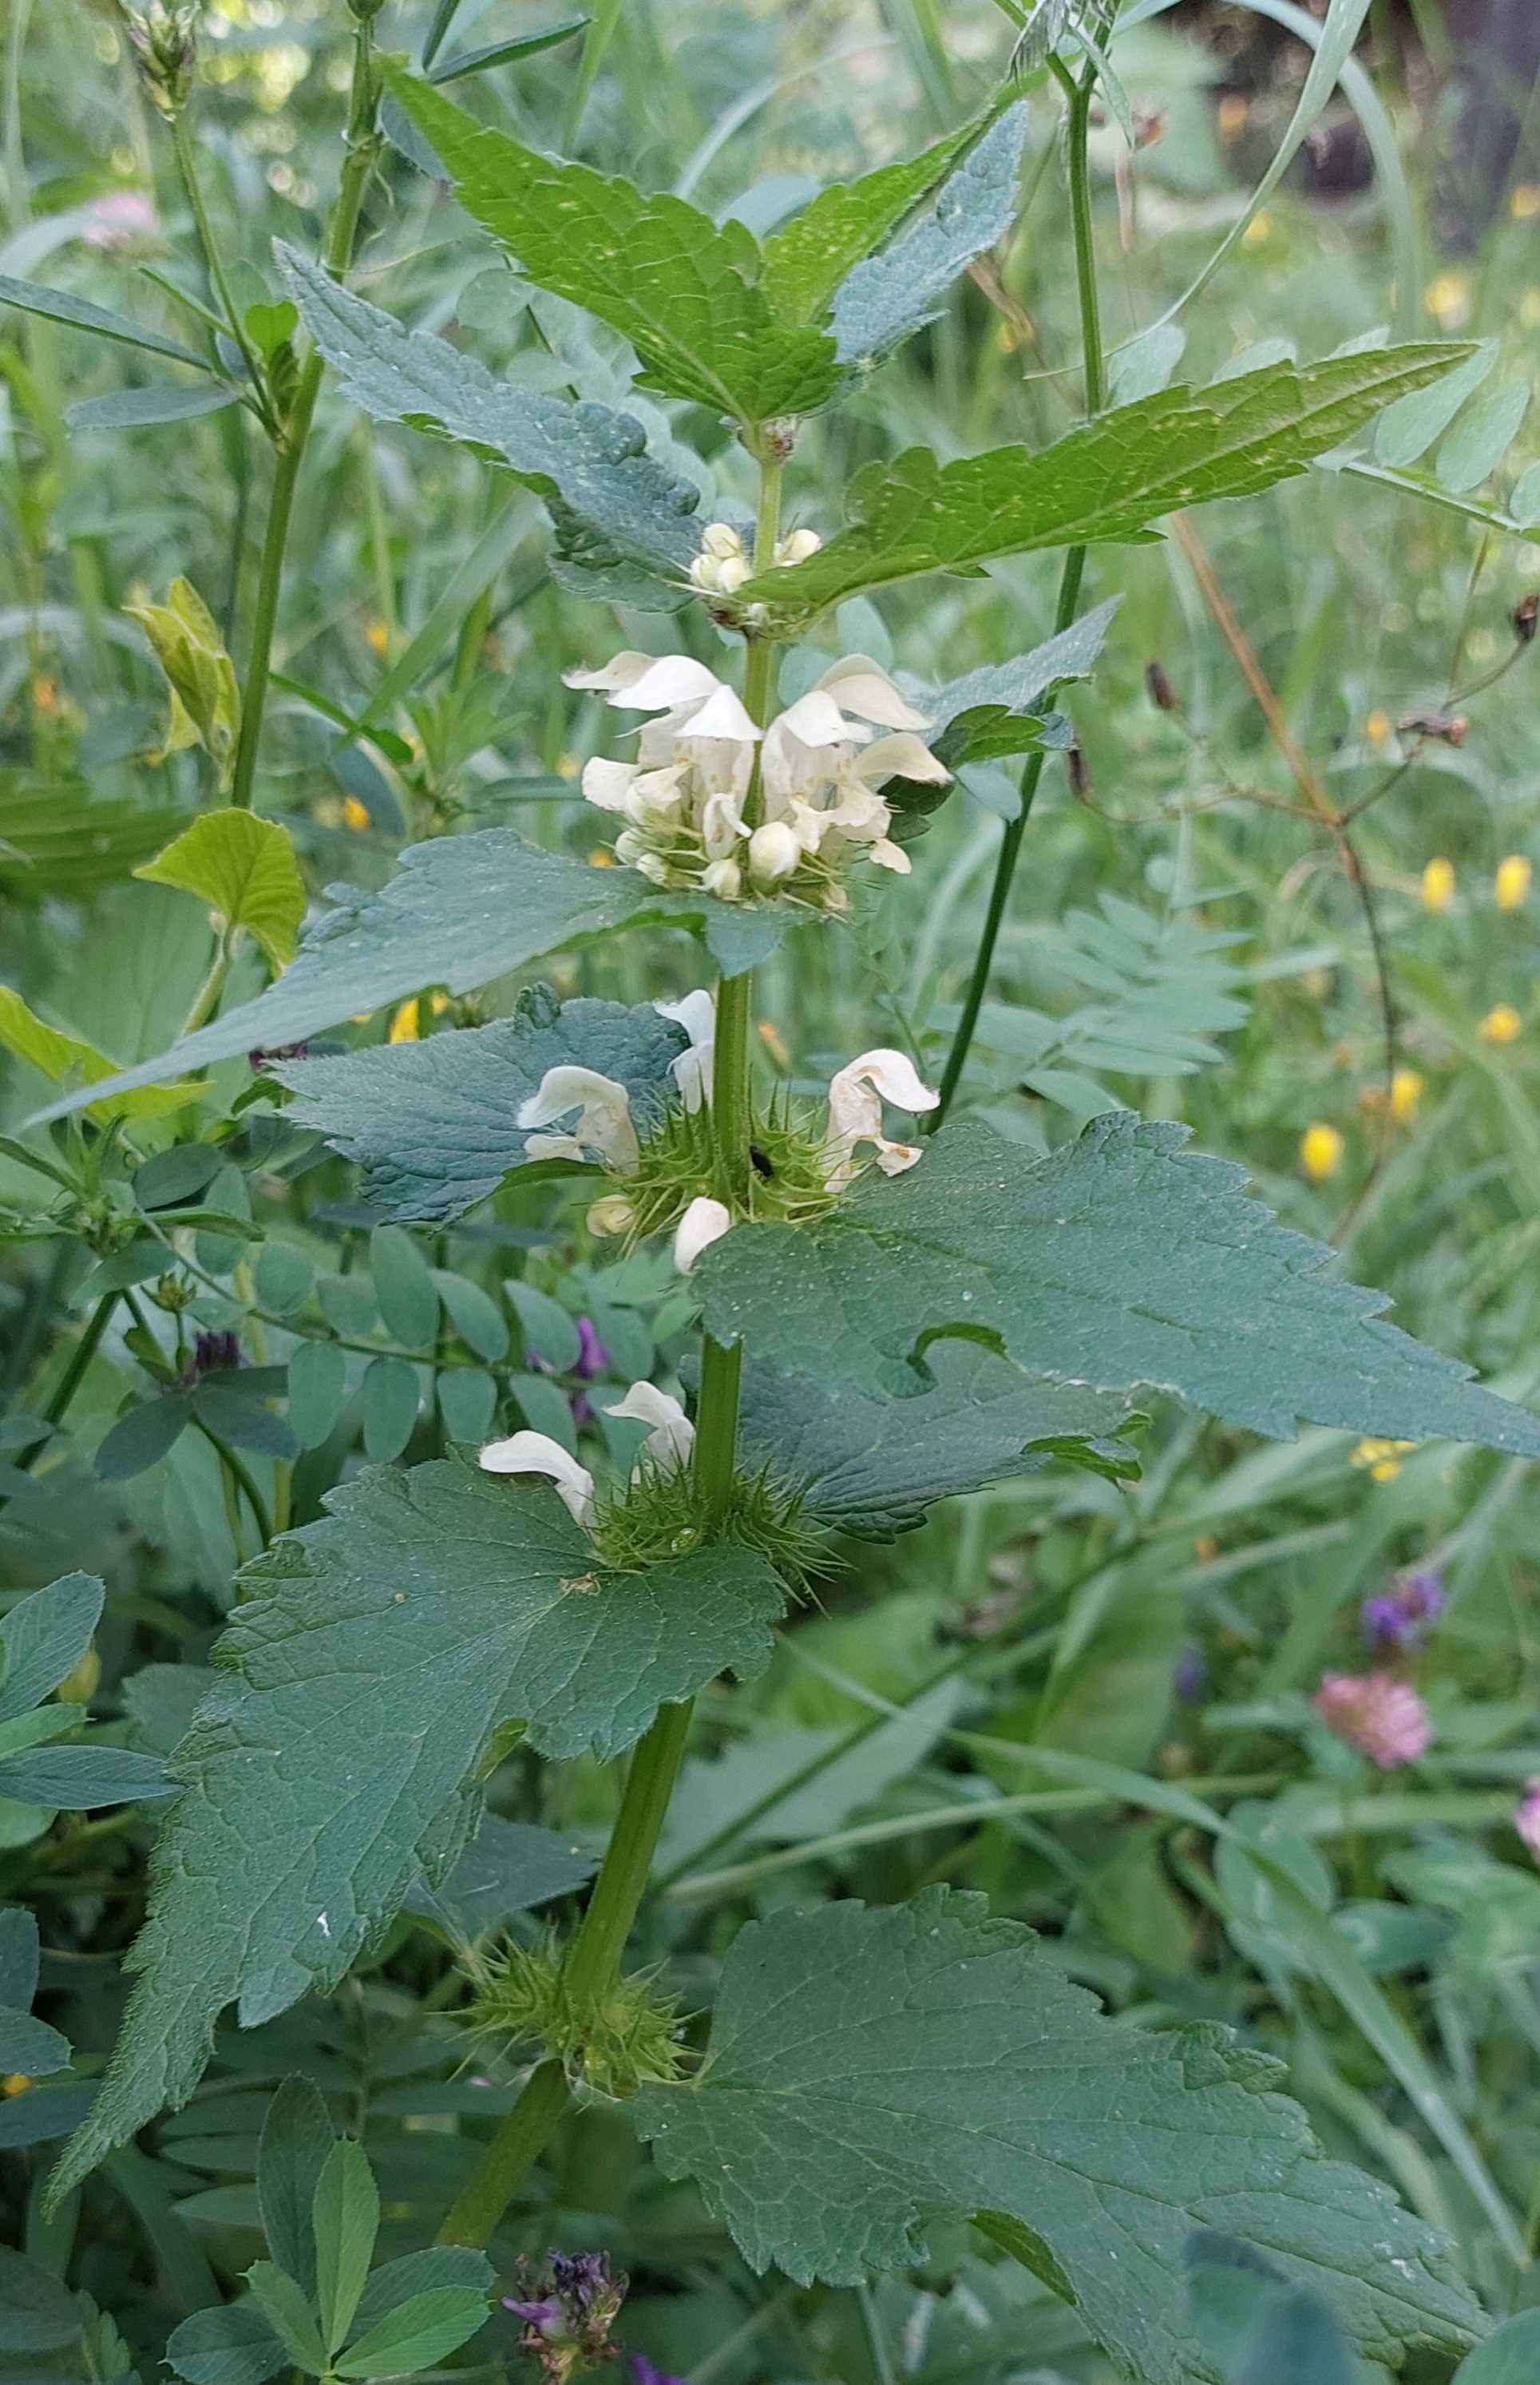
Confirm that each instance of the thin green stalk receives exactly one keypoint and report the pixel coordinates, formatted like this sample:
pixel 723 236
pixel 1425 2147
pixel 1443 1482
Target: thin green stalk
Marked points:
pixel 1079 95
pixel 214 264
pixel 362 145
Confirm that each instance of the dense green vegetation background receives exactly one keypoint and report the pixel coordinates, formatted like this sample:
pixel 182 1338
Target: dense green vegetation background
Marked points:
pixel 1281 894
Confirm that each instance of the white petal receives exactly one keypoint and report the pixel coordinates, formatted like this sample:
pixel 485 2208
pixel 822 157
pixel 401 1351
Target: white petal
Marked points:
pixel 553 1146
pixel 894 1157
pixel 723 715
pixel 607 785
pixel 672 1437
pixel 889 856
pixel 605 1111
pixel 621 670
pixel 704 1222
pixel 692 1070
pixel 536 1453
pixel 861 685
pixel 816 719
pixel 894 1076
pixel 668 681
pixel 723 879
pixel 900 757
pixel 722 823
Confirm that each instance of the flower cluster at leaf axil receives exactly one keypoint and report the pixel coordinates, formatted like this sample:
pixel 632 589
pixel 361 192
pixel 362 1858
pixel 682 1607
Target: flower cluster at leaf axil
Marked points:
pixel 715 801
pixel 581 1115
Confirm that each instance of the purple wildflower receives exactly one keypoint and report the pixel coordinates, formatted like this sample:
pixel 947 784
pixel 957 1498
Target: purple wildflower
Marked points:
pixel 1402 1617
pixel 568 2325
pixel 213 1353
pixel 1189 1676
pixel 593 1359
pixel 1375 1713
pixel 645 2372
pixel 1526 1817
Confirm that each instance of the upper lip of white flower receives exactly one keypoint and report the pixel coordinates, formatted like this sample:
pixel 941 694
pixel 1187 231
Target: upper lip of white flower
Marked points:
pixel 856 1094
pixel 671 1436
pixel 696 1013
pixel 704 1222
pixel 604 1122
pixel 536 1453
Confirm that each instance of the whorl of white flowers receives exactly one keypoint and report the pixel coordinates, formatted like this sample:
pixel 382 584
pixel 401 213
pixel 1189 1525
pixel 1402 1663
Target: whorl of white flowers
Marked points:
pixel 723 564
pixel 697 813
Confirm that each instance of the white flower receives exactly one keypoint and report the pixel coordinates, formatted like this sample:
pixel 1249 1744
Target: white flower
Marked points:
pixel 797 545
pixel 612 1214
pixel 774 853
pixel 721 566
pixel 672 1437
pixel 536 1453
pixel 704 1222
pixel 823 760
pixel 604 1124
pixel 696 1013
pixel 856 1094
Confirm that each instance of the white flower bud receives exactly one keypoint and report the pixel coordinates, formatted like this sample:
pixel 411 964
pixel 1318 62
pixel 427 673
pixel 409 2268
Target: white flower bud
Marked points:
pixel 797 545
pixel 721 540
pixel 612 1214
pixel 704 1222
pixel 731 574
pixel 774 853
pixel 723 879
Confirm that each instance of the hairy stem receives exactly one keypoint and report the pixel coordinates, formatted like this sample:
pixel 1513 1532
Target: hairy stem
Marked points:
pixel 598 1950
pixel 1079 94
pixel 295 432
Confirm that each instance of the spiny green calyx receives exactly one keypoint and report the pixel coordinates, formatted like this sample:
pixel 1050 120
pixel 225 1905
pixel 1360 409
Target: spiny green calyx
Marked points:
pixel 614 2039
pixel 662 1511
pixel 679 1162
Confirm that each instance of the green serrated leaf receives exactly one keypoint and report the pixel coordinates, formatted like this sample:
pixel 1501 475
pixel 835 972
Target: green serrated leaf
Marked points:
pixel 345 2220
pixel 59 1054
pixel 873 1465
pixel 315 1794
pixel 1111 479
pixel 462 911
pixel 245 869
pixel 806 260
pixel 683 290
pixel 1122 1260
pixel 982 713
pixel 288 2312
pixel 417 2334
pixel 233 2344
pixel 889 296
pixel 617 508
pixel 43 1638
pixel 434 1125
pixel 869 2070
pixel 297 2137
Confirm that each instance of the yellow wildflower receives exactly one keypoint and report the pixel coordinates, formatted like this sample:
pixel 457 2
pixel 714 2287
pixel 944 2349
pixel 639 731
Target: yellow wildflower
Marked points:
pixel 1381 1459
pixel 1259 230
pixel 355 814
pixel 1377 727
pixel 1448 299
pixel 1510 887
pixel 16 2083
pixel 1438 883
pixel 1319 1152
pixel 1502 1024
pixel 1524 205
pixel 601 858
pixel 1405 1093
pixel 404 1027
pixel 379 635
pixel 1231 114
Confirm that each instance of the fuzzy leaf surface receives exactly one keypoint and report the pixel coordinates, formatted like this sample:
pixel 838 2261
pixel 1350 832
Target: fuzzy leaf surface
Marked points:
pixel 868 2070
pixel 989 711
pixel 685 291
pixel 434 1125
pixel 461 911
pixel 873 1465
pixel 887 297
pixel 616 507
pixel 1110 478
pixel 1122 1261
pixel 807 259
pixel 375 1655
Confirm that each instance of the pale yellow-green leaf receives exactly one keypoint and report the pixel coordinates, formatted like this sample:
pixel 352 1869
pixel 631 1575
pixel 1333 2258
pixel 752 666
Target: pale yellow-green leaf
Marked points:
pixel 191 651
pixel 58 1056
pixel 245 869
